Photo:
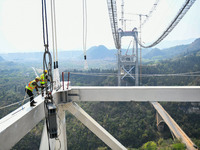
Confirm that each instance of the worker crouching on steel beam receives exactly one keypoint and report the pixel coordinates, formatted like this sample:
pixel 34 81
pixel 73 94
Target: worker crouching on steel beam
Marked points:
pixel 43 80
pixel 29 90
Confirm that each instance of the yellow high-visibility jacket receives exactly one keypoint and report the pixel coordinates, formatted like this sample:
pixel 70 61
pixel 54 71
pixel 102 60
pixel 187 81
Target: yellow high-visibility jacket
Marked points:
pixel 42 79
pixel 31 86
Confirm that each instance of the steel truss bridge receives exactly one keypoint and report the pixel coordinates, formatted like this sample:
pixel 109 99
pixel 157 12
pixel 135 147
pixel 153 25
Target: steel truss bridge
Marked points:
pixel 18 123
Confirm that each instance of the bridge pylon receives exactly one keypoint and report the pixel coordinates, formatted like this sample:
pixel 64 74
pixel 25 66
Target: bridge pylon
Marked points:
pixel 128 63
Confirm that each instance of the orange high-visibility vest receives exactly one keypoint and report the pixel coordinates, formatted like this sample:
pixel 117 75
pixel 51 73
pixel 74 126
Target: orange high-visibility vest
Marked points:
pixel 30 86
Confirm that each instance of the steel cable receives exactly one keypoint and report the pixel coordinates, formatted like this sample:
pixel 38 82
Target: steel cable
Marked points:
pixel 47 62
pixel 85 33
pixel 172 25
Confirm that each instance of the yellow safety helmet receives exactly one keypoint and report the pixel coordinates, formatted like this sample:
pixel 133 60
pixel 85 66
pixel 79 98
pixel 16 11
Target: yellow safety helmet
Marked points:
pixel 45 71
pixel 37 78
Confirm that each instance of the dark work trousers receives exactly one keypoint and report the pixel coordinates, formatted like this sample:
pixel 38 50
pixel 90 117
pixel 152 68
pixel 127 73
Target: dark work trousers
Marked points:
pixel 30 94
pixel 42 89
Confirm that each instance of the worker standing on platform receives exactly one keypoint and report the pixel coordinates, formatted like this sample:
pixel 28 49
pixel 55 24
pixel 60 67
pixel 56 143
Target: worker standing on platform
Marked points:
pixel 43 80
pixel 29 90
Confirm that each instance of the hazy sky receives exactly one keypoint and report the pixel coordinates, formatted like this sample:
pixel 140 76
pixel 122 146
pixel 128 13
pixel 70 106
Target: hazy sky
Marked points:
pixel 21 26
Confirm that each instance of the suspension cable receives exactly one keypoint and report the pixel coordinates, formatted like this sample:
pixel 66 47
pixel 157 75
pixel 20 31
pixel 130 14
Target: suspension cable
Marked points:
pixel 47 65
pixel 172 25
pixel 85 33
pixel 47 60
pixel 54 34
pixel 112 10
pixel 150 12
pixel 52 25
pixel 44 23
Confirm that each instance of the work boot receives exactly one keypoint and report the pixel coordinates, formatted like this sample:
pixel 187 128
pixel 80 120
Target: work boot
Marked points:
pixel 32 105
pixel 34 102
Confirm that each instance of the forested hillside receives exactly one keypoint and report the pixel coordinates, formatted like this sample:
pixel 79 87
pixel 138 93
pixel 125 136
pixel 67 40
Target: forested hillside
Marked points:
pixel 133 124
pixel 171 52
pixel 13 79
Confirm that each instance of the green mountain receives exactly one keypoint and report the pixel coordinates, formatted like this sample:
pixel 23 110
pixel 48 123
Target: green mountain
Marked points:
pixel 180 50
pixel 154 53
pixel 101 52
pixel 195 45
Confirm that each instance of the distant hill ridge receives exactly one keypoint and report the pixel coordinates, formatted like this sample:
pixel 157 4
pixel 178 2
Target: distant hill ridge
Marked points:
pixel 173 51
pixel 103 53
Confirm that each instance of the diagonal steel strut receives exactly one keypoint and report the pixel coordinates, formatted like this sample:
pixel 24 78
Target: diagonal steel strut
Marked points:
pixel 96 128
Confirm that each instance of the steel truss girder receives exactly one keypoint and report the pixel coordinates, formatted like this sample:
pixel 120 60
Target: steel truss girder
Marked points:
pixel 21 121
pixel 18 123
pixel 135 93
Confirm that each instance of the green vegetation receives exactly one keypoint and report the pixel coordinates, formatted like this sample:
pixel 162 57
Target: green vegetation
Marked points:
pixel 13 79
pixel 150 146
pixel 133 124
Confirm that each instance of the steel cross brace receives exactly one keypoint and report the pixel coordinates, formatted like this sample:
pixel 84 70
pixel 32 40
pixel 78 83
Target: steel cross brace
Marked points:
pixel 128 72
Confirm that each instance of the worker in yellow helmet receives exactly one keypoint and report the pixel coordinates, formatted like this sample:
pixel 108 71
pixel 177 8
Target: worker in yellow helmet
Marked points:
pixel 29 90
pixel 43 80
